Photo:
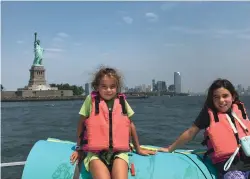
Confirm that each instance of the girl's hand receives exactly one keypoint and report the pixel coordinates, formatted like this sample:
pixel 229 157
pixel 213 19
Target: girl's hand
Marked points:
pixel 164 150
pixel 76 156
pixel 146 152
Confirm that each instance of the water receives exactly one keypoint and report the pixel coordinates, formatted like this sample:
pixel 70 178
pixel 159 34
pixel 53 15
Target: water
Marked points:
pixel 159 121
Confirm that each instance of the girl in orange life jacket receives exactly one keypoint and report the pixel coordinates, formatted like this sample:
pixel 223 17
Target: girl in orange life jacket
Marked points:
pixel 106 164
pixel 221 100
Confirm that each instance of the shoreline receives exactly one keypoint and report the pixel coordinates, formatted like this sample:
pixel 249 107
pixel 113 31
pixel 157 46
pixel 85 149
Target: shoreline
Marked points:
pixel 30 99
pixel 65 98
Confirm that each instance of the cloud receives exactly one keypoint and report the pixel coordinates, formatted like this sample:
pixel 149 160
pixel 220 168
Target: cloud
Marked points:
pixel 128 19
pixel 168 6
pixel 231 31
pixel 152 17
pixel 59 39
pixel 52 56
pixel 121 12
pixel 57 42
pixel 188 30
pixel 54 49
pixel 20 42
pixel 244 36
pixel 172 45
pixel 77 44
pixel 62 34
pixel 106 54
pixel 26 52
pixel 118 23
pixel 224 31
pixel 243 33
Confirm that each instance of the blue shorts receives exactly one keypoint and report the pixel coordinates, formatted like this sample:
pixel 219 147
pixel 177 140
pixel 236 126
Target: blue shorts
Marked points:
pixel 236 175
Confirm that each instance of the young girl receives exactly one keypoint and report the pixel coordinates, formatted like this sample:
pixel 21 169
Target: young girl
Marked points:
pixel 222 101
pixel 107 129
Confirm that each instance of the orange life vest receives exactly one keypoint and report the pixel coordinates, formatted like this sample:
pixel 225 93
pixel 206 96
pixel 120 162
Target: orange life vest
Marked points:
pixel 219 136
pixel 107 129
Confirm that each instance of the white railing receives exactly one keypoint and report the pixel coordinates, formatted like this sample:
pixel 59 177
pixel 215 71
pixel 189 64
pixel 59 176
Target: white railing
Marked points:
pixel 11 164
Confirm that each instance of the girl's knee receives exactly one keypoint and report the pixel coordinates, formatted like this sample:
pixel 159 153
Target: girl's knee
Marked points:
pixel 98 169
pixel 120 169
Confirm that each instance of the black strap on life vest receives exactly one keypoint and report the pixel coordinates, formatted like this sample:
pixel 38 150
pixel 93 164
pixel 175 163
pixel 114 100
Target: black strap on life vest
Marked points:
pixel 102 156
pixel 121 99
pixel 204 142
pixel 216 119
pixel 122 102
pixel 83 141
pixel 110 130
pixel 97 101
pixel 236 136
pixel 241 108
pixel 208 152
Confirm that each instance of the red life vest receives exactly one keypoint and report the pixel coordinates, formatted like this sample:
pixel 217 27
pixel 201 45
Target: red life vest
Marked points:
pixel 219 136
pixel 106 128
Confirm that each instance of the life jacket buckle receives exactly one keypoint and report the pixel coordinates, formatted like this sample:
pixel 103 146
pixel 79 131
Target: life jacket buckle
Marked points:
pixel 132 169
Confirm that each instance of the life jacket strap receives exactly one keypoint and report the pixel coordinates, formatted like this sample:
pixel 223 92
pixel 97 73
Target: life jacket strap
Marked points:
pixel 101 156
pixel 121 99
pixel 208 152
pixel 204 142
pixel 97 101
pixel 83 141
pixel 216 118
pixel 122 102
pixel 241 108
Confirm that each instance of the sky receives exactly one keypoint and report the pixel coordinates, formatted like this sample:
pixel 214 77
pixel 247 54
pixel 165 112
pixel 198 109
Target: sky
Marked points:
pixel 144 40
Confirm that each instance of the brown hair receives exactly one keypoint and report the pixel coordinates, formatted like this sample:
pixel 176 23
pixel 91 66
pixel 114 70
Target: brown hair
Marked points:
pixel 110 72
pixel 216 85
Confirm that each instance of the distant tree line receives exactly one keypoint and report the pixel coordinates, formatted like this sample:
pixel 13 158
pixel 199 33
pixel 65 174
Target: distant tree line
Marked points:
pixel 171 88
pixel 77 90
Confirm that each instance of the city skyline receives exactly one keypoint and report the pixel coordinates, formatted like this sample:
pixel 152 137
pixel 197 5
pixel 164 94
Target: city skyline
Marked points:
pixel 145 40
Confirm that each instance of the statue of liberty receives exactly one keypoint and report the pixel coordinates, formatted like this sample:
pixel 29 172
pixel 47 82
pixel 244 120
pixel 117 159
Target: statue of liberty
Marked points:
pixel 38 50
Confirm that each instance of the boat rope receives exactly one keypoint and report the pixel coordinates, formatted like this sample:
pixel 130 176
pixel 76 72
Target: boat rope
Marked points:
pixel 11 164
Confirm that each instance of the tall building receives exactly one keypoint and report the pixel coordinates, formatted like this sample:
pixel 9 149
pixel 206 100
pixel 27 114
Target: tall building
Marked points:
pixel 149 88
pixel 153 85
pixel 143 88
pixel 88 89
pixel 177 82
pixel 161 86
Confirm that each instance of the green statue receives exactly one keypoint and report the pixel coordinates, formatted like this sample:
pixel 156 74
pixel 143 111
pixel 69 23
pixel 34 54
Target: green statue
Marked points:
pixel 38 50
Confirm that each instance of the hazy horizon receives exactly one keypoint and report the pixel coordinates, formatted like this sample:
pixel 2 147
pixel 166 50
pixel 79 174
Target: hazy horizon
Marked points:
pixel 145 40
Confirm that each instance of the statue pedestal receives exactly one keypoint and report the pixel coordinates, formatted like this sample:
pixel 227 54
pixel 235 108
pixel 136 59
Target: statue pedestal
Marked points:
pixel 37 76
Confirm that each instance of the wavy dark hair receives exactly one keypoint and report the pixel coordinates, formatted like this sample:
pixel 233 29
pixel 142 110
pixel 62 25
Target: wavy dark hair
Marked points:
pixel 107 71
pixel 220 83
